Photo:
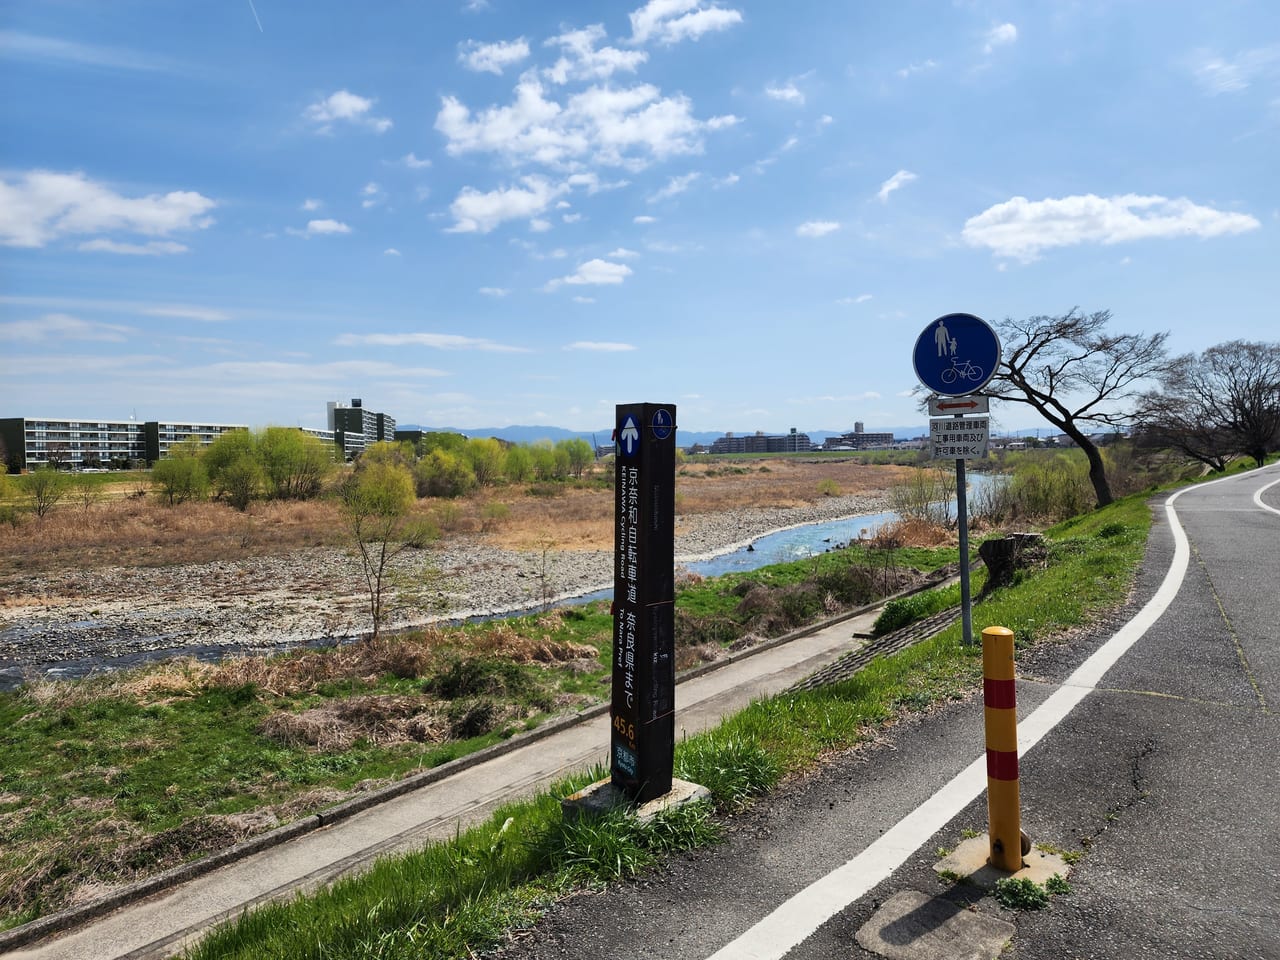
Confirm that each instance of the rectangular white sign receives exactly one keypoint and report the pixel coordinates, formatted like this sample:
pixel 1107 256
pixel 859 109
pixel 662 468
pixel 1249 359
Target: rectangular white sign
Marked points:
pixel 959 438
pixel 951 406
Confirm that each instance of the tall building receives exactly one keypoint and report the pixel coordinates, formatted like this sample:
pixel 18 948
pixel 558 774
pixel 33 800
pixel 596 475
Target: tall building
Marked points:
pixel 356 426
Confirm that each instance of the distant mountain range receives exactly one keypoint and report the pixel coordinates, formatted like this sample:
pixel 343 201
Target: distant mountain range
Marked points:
pixel 684 438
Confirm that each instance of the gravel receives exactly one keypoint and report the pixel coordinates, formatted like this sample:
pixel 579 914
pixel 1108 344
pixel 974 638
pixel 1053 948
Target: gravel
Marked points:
pixel 98 616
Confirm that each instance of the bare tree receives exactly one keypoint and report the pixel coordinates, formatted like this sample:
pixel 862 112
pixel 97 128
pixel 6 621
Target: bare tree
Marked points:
pixel 377 501
pixel 1223 402
pixel 1076 373
pixel 46 487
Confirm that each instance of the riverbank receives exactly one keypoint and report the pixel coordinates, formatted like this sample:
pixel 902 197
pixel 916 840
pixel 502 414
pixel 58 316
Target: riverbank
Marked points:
pixel 261 603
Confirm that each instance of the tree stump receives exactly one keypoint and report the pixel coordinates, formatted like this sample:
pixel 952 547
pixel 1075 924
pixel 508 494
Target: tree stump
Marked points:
pixel 1005 556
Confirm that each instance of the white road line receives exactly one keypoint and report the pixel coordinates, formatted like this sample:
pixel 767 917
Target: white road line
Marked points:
pixel 1257 497
pixel 795 921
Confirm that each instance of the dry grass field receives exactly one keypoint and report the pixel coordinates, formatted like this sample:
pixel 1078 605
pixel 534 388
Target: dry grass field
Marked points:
pixel 131 530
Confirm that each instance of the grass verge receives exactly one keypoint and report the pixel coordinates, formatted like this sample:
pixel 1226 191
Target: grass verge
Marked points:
pixel 457 898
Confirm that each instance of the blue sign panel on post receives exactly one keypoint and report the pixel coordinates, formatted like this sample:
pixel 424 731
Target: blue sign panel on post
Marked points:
pixel 662 423
pixel 957 354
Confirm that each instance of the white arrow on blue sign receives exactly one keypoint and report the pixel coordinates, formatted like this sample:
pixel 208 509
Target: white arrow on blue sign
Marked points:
pixel 629 435
pixel 957 354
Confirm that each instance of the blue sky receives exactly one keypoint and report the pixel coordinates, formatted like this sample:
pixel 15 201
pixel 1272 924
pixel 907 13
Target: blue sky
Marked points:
pixel 484 213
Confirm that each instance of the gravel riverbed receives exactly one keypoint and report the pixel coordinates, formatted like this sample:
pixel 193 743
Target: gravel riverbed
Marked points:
pixel 101 615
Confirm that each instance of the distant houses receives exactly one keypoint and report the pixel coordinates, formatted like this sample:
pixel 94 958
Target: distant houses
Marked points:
pixel 859 439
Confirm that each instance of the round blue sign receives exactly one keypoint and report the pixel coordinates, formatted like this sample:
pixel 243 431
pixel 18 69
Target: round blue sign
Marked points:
pixel 662 423
pixel 957 354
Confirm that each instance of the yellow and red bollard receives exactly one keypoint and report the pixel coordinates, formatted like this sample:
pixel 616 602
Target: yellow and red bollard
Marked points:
pixel 1001 717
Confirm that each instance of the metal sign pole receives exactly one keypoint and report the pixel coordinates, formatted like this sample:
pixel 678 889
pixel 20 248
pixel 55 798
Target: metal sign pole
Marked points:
pixel 962 518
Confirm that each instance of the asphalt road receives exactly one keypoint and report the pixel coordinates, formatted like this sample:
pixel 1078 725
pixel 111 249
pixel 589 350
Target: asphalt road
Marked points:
pixel 1166 777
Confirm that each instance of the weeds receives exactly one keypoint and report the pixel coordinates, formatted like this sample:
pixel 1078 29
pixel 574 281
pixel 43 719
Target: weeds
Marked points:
pixel 1021 893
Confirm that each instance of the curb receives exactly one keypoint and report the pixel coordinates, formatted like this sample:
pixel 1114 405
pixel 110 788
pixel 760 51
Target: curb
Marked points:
pixel 76 916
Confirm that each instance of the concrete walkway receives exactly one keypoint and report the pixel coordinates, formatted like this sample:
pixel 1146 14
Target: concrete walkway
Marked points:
pixel 168 921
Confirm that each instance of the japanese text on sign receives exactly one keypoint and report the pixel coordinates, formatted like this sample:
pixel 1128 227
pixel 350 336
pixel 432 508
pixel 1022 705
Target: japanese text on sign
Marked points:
pixel 628 574
pixel 959 438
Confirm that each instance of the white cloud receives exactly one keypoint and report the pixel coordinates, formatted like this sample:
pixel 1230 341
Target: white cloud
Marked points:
pixel 600 346
pixel 614 126
pixel 311 205
pixel 583 299
pixel 391 252
pixel 476 212
pixel 817 228
pixel 595 272
pixel 185 312
pixel 495 291
pixel 63 326
pixel 152 248
pixel 317 228
pixel 921 67
pixel 539 225
pixel 581 59
pixel 1021 228
pixel 723 122
pixel 643 219
pixel 571 217
pixel 411 161
pixel 42 206
pixel 622 253
pixel 1000 36
pixel 670 21
pixel 851 301
pixel 789 93
pixel 15 45
pixel 1218 75
pixel 435 341
pixel 674 187
pixel 492 57
pixel 893 183
pixel 727 181
pixel 372 194
pixel 346 106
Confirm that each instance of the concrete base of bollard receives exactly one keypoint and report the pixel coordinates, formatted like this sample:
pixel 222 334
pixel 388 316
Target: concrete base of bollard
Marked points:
pixel 602 797
pixel 969 862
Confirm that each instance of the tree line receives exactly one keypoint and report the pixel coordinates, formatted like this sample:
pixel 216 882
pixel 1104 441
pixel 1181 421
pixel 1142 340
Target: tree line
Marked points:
pixel 1078 373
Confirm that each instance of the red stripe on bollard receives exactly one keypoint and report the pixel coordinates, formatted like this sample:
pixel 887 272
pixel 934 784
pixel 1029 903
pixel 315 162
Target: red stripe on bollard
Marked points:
pixel 998 694
pixel 1002 764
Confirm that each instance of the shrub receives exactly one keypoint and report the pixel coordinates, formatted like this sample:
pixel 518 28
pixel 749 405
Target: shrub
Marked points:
pixel 444 474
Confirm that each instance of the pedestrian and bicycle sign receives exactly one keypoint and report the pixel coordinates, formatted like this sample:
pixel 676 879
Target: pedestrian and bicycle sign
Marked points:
pixel 956 354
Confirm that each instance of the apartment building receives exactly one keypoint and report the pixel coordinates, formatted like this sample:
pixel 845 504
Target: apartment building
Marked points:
pixel 760 442
pixel 30 442
pixel 355 426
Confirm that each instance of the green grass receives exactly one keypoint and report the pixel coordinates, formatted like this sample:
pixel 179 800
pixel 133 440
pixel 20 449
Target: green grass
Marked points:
pixel 410 906
pixel 107 785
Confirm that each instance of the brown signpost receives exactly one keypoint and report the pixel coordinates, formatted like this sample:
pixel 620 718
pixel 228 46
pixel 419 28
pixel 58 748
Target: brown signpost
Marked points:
pixel 642 744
